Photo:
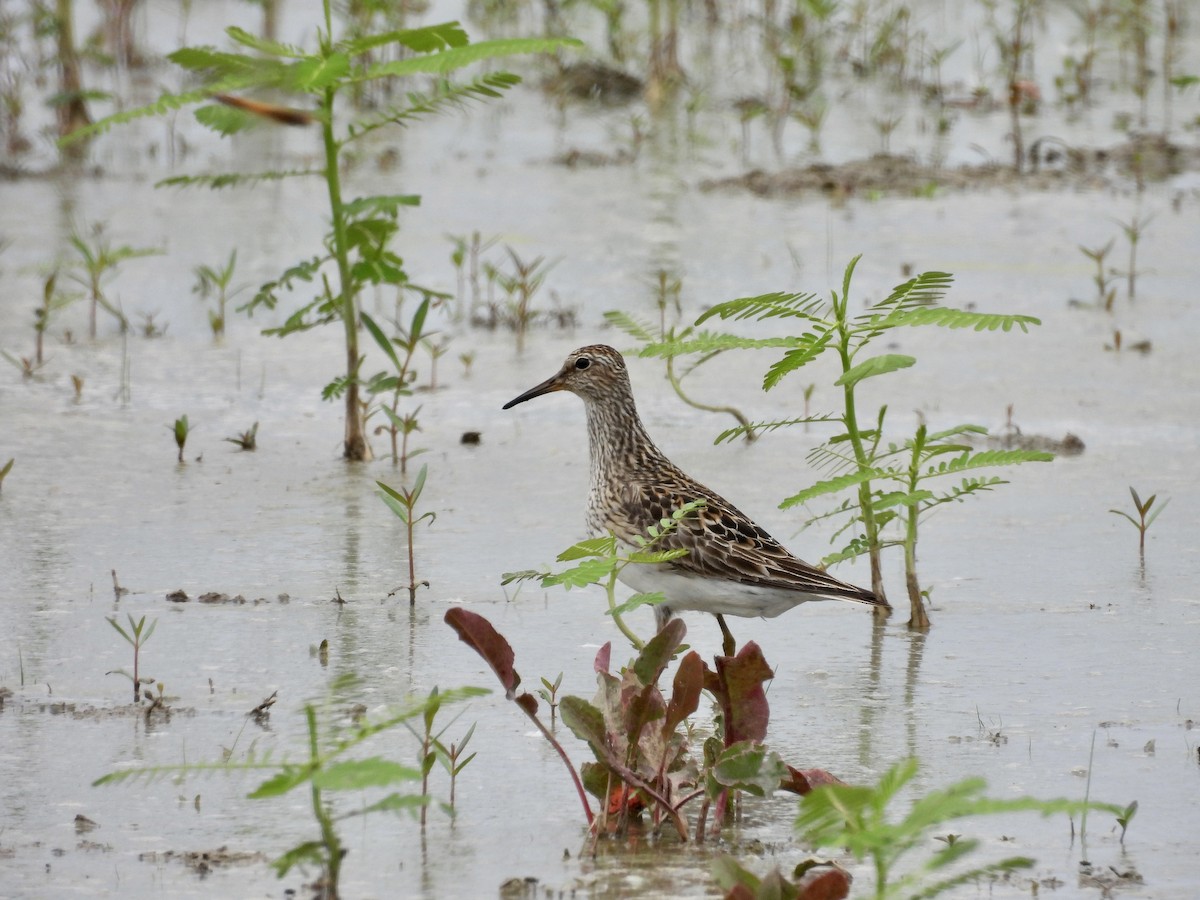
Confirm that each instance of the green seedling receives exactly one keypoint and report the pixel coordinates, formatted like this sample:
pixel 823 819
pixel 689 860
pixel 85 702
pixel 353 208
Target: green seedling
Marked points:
pixel 520 286
pixel 549 692
pixel 403 503
pixel 328 767
pixel 862 819
pixel 27 366
pixel 356 254
pixel 4 470
pixel 1126 817
pixel 216 283
pixel 467 360
pixel 851 457
pixel 907 469
pixel 52 301
pixel 247 440
pixel 150 328
pixel 137 636
pixel 1133 230
pixel 398 382
pixel 667 294
pixel 97 262
pixel 1145 518
pixel 436 350
pixel 180 431
pixel 1102 278
pixel 452 760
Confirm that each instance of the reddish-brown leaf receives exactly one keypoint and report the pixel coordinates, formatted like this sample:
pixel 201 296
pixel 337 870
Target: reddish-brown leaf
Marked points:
pixel 477 632
pixel 685 691
pixel 657 653
pixel 739 892
pixel 603 657
pixel 801 781
pixel 825 884
pixel 739 687
pixel 528 704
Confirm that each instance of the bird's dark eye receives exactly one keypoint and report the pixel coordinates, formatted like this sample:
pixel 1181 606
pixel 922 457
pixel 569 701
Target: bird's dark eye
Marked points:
pixel 582 363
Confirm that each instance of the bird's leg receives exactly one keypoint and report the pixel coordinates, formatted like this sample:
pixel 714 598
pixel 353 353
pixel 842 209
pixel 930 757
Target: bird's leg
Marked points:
pixel 728 644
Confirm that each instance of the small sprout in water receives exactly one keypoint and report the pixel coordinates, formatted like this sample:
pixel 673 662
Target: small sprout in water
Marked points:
pixel 247 440
pixel 1145 518
pixel 549 693
pixel 77 383
pixel 4 470
pixel 137 636
pixel 1126 817
pixel 181 430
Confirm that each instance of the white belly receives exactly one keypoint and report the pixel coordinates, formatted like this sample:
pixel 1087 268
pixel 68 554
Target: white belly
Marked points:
pixel 711 595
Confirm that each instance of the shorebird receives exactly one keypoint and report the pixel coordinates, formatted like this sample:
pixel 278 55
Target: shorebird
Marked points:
pixel 732 566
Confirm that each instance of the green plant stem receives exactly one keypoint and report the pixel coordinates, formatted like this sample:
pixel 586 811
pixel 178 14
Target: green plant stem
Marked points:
pixel 851 421
pixel 918 617
pixel 610 588
pixel 696 404
pixel 333 847
pixel 356 447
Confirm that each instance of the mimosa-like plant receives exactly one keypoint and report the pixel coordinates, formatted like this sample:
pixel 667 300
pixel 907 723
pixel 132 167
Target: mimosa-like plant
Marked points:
pixel 356 253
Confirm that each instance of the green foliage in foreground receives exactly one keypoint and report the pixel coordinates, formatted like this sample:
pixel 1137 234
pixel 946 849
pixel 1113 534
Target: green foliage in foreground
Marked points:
pixel 858 818
pixel 328 768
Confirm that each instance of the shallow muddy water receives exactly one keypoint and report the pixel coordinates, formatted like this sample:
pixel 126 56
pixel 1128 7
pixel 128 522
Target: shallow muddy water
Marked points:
pixel 1047 633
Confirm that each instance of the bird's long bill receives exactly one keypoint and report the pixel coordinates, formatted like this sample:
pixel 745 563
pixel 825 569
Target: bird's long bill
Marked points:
pixel 546 387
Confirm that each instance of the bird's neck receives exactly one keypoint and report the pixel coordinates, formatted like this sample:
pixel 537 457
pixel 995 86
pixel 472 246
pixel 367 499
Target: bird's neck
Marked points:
pixel 617 441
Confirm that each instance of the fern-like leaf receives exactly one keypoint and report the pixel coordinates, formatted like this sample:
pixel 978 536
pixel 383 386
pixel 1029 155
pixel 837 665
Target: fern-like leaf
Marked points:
pixel 769 306
pixel 947 317
pixel 233 179
pixel 774 425
pixel 811 345
pixel 447 96
pixel 457 57
pixel 833 486
pixel 987 458
pixel 639 329
pixel 711 342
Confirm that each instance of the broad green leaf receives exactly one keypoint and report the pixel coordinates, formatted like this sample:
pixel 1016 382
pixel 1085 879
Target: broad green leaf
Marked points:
pixel 363 773
pixel 315 73
pixel 225 120
pixel 312 852
pixel 282 782
pixel 395 501
pixel 395 803
pixel 381 339
pixel 429 39
pixel 875 365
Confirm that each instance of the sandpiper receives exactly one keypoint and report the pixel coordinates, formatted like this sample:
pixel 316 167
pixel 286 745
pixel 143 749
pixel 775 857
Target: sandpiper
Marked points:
pixel 732 567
